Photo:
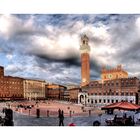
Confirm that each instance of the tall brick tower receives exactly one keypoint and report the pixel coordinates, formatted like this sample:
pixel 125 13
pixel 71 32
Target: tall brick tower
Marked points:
pixel 85 60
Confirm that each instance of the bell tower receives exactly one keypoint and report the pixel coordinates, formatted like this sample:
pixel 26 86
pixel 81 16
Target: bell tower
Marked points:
pixel 85 60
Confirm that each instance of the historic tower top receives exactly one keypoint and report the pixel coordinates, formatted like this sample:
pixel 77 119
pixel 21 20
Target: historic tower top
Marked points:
pixel 84 47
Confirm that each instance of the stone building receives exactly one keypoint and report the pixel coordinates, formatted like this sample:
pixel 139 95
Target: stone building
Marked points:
pixel 73 94
pixel 11 88
pixel 34 89
pixel 55 91
pixel 111 91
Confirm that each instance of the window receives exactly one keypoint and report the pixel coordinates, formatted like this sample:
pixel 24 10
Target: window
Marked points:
pixel 100 100
pixel 131 94
pixel 126 93
pixel 116 101
pixel 116 93
pixel 104 101
pixel 127 84
pixel 108 101
pixel 99 93
pixel 122 93
pixel 92 101
pixel 95 101
pixel 112 101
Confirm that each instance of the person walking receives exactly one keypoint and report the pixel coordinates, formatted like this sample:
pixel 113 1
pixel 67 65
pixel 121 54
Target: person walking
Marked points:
pixel 61 117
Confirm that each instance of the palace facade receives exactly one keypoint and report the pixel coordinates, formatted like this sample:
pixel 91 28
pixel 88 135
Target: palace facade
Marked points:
pixel 11 88
pixel 55 91
pixel 115 86
pixel 34 89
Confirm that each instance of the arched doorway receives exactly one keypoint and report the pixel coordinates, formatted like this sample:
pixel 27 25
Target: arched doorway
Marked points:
pixel 81 98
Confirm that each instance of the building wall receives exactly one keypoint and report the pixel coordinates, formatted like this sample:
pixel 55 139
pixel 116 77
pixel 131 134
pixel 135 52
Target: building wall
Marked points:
pixel 11 88
pixel 34 89
pixel 54 91
pixel 124 87
pixel 73 94
pixel 100 100
pixel 114 87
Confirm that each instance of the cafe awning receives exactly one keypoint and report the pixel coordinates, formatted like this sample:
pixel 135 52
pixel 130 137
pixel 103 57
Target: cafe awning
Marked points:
pixel 122 105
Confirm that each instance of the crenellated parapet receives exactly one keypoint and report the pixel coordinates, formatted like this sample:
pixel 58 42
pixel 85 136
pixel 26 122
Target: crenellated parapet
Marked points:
pixel 113 73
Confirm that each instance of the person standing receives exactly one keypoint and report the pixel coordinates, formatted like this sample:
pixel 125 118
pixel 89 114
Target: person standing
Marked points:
pixel 61 117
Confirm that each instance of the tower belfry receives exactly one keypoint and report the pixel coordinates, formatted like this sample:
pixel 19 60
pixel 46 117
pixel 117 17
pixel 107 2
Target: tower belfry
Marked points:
pixel 85 60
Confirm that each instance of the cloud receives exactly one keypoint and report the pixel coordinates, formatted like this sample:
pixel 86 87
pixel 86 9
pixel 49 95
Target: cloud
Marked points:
pixel 11 26
pixel 9 56
pixel 12 68
pixel 47 46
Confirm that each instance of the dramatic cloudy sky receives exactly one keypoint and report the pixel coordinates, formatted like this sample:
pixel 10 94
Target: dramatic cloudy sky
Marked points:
pixel 47 46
